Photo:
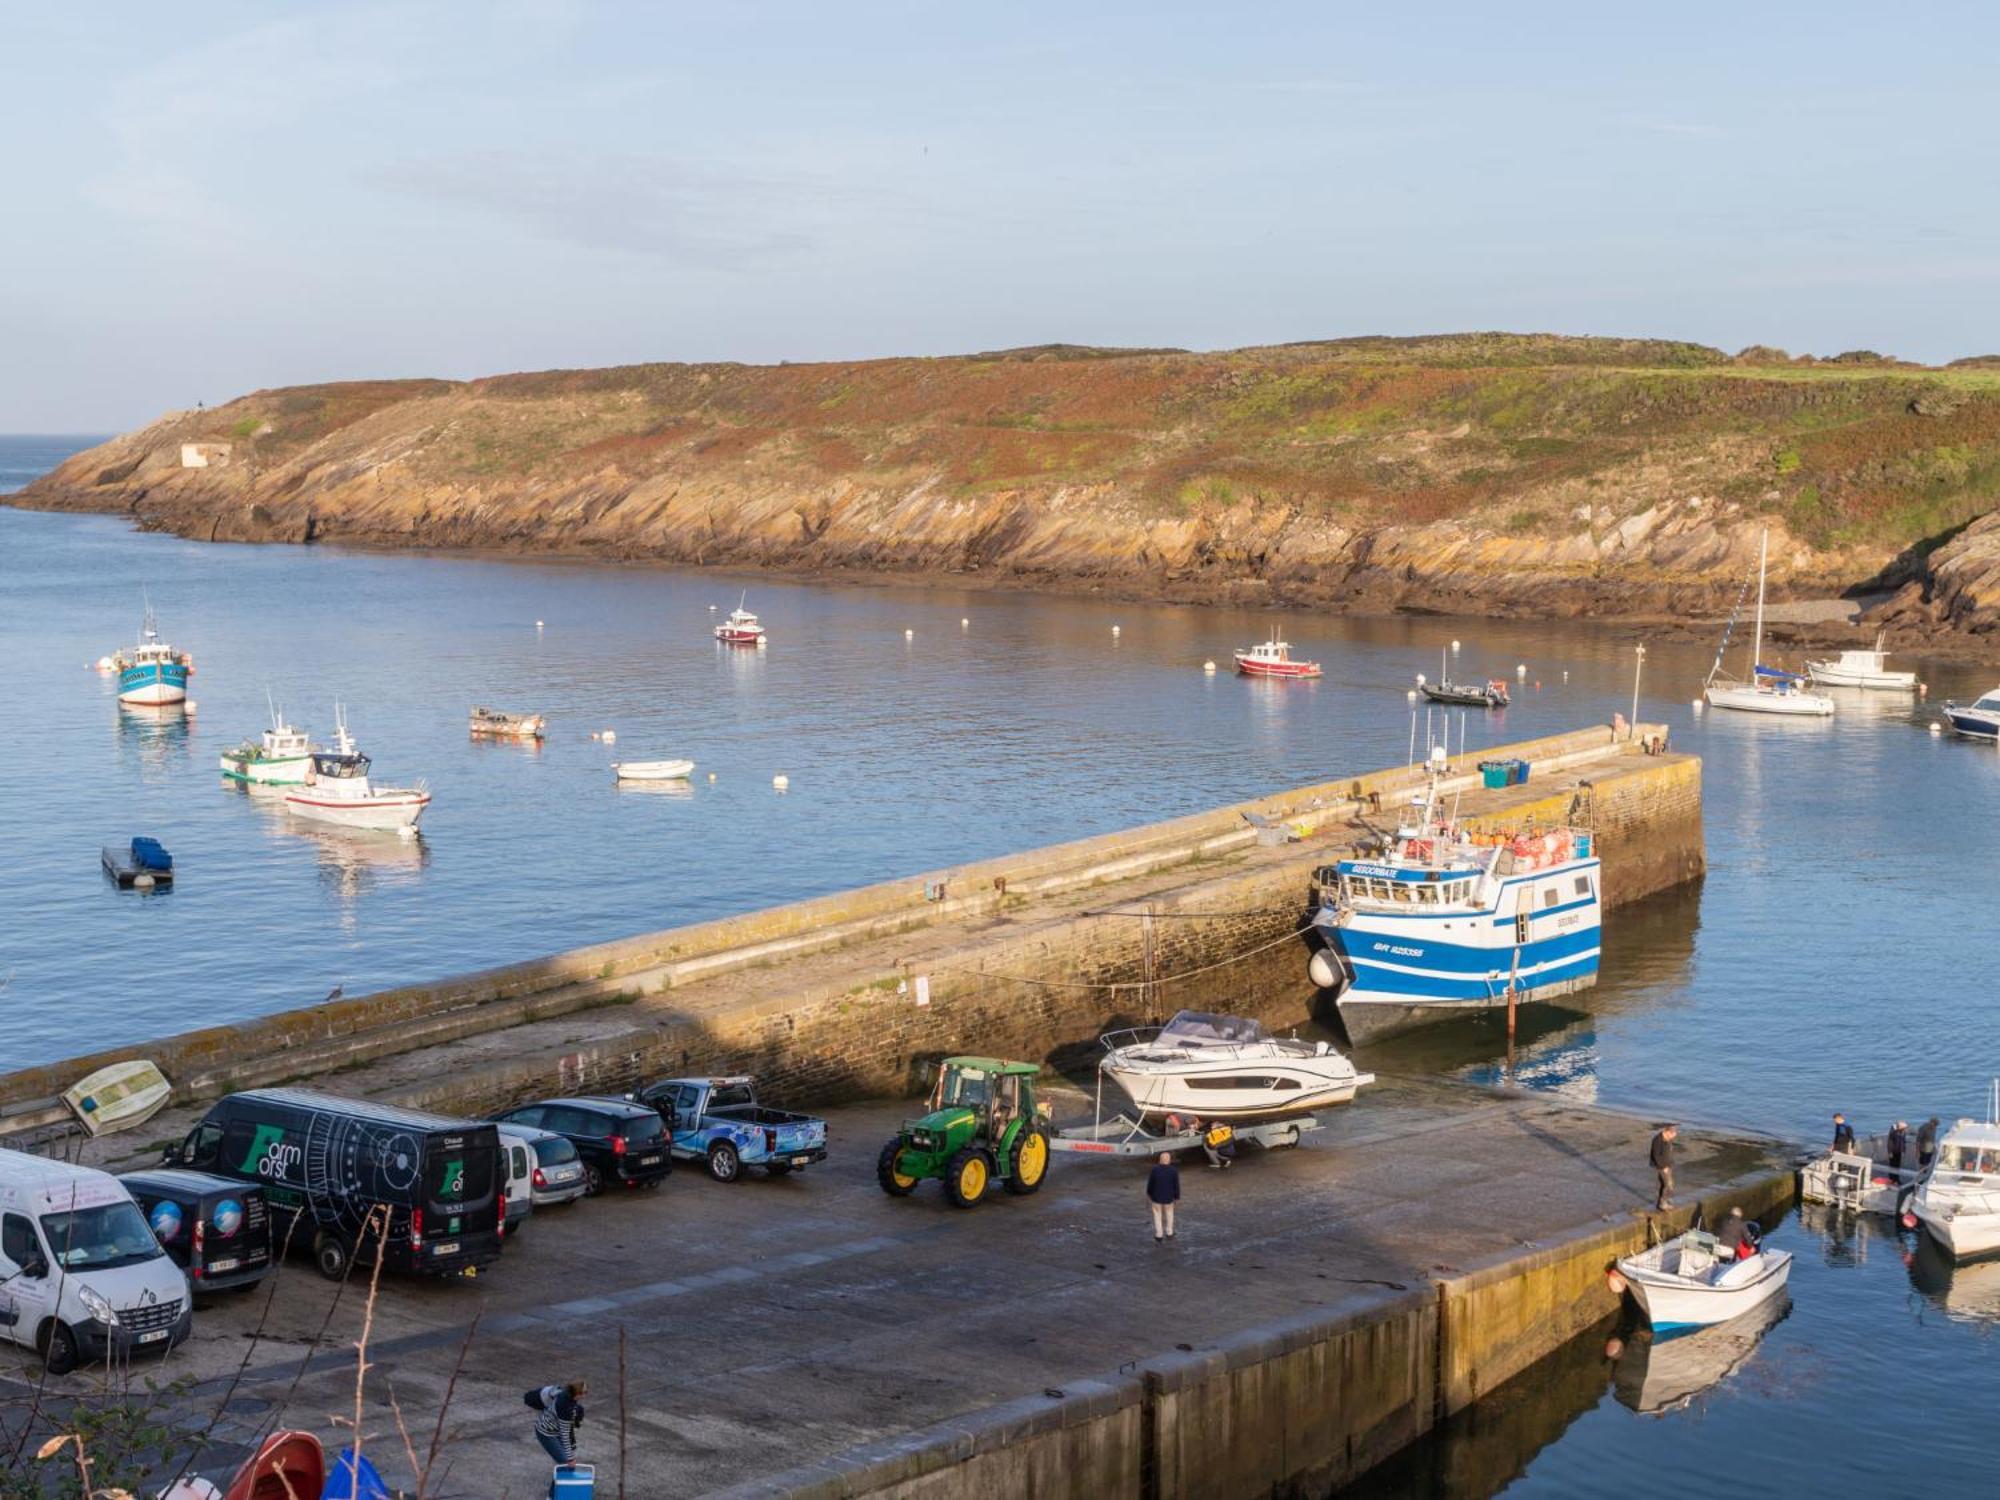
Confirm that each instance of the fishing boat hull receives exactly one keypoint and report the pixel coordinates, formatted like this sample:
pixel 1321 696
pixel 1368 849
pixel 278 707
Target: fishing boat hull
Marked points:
pixel 396 811
pixel 153 683
pixel 734 637
pixel 1678 1304
pixel 1830 674
pixel 1965 1234
pixel 1754 700
pixel 249 768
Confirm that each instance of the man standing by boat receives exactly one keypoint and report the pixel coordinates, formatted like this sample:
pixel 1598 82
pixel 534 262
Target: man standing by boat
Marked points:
pixel 1927 1143
pixel 1663 1154
pixel 1163 1191
pixel 1843 1135
pixel 1898 1143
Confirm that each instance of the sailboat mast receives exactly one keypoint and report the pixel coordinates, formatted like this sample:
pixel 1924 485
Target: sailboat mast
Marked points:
pixel 1757 641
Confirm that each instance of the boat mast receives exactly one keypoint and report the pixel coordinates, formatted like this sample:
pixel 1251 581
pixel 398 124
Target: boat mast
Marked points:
pixel 1757 641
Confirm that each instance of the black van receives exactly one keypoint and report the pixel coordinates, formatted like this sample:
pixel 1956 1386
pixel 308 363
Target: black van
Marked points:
pixel 328 1164
pixel 216 1229
pixel 619 1141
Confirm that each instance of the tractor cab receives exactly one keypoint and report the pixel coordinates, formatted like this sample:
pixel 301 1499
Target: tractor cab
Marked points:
pixel 982 1122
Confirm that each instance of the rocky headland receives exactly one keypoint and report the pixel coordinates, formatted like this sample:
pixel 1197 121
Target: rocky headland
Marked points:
pixel 1485 473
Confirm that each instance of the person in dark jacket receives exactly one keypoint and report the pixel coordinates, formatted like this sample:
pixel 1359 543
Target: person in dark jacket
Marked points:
pixel 1163 1191
pixel 1898 1143
pixel 558 1414
pixel 1662 1157
pixel 1843 1134
pixel 1734 1236
pixel 1927 1143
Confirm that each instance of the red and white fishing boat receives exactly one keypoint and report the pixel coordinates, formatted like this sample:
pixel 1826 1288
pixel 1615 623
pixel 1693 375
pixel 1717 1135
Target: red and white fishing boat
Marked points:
pixel 741 628
pixel 1274 659
pixel 337 789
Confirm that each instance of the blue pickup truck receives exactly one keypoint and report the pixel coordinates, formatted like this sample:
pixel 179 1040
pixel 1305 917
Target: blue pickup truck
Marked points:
pixel 719 1121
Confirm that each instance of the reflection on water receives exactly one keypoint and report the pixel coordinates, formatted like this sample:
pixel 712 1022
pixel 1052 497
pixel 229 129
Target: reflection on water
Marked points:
pixel 673 790
pixel 1968 1293
pixel 1653 1375
pixel 153 736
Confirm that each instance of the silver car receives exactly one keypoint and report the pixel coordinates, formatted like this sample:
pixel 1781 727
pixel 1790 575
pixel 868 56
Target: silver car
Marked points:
pixel 557 1173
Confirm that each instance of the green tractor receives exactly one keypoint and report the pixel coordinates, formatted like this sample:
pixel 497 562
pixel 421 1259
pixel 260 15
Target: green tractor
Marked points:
pixel 984 1123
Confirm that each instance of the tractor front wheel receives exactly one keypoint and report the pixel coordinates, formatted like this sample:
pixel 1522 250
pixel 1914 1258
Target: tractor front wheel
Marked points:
pixel 968 1176
pixel 888 1171
pixel 1028 1165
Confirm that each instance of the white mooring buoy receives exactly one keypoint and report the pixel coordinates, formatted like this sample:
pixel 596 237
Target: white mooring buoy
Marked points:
pixel 1454 645
pixel 1117 629
pixel 1209 667
pixel 1565 674
pixel 1521 671
pixel 609 736
pixel 1936 728
pixel 1411 695
pixel 781 781
pixel 964 623
pixel 1697 705
pixel 909 635
pixel 538 624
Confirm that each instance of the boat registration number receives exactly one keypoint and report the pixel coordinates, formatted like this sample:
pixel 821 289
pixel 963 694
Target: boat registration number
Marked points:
pixel 444 1249
pixel 650 1161
pixel 217 1267
pixel 154 1337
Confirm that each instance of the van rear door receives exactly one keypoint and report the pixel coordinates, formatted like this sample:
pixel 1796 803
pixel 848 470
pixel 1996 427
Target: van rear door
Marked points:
pixel 461 1178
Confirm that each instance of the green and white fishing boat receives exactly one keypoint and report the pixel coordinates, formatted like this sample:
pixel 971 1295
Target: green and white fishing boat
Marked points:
pixel 280 758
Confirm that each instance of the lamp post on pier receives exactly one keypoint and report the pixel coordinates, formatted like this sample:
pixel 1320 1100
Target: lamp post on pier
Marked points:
pixel 1638 666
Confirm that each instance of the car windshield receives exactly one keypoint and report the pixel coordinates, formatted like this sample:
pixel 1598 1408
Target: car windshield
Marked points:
pixel 115 1234
pixel 967 1088
pixel 555 1151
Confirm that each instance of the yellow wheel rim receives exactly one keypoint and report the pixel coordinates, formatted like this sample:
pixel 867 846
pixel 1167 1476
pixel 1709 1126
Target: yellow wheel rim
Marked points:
pixel 896 1174
pixel 1032 1160
pixel 972 1181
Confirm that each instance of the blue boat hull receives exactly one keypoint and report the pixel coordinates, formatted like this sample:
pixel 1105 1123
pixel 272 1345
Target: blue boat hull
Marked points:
pixel 1972 726
pixel 153 682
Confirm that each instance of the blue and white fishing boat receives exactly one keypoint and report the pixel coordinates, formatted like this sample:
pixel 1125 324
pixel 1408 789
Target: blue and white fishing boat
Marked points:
pixel 152 671
pixel 1979 720
pixel 1448 921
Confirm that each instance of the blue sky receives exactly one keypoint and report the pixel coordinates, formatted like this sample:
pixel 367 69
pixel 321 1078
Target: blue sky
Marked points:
pixel 201 200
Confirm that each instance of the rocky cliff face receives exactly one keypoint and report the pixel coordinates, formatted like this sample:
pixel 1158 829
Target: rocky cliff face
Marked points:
pixel 1486 472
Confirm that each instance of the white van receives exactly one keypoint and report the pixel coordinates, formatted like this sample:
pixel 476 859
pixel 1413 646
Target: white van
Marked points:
pixel 81 1274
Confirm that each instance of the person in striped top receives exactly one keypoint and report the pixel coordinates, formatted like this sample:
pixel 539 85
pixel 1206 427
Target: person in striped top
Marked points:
pixel 558 1414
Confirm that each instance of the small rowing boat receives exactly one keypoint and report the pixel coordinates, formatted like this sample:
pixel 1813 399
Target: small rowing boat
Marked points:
pixel 503 725
pixel 652 770
pixel 119 1096
pixel 1690 1282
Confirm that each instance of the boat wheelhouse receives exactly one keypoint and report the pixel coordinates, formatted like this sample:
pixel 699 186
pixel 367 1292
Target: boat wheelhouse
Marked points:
pixel 1225 1067
pixel 279 758
pixel 1979 720
pixel 1274 658
pixel 1862 669
pixel 152 672
pixel 1450 921
pixel 337 789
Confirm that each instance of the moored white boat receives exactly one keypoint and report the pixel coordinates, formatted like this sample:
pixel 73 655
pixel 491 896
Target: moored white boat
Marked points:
pixel 1959 1202
pixel 1225 1067
pixel 337 789
pixel 1684 1283
pixel 1856 1181
pixel 1273 658
pixel 652 770
pixel 503 725
pixel 1862 669
pixel 279 758
pixel 1769 690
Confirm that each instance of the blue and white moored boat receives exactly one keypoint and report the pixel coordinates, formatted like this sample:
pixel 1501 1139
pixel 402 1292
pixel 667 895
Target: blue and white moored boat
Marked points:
pixel 152 672
pixel 1979 720
pixel 1448 921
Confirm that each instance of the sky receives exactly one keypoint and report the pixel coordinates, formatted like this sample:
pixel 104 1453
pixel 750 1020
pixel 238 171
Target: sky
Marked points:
pixel 198 201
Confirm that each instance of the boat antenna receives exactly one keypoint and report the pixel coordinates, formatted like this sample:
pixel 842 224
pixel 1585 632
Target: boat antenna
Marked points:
pixel 271 704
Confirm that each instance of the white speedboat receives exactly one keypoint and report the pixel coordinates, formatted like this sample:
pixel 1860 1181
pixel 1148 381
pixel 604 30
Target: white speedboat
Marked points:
pixel 1979 720
pixel 1862 669
pixel 337 789
pixel 1226 1067
pixel 1685 1283
pixel 652 770
pixel 280 758
pixel 1959 1203
pixel 1769 690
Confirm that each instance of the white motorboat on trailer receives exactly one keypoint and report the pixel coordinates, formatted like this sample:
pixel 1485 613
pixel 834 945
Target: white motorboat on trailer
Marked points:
pixel 1769 690
pixel 1861 669
pixel 337 790
pixel 1448 921
pixel 652 770
pixel 1959 1202
pixel 1688 1282
pixel 1226 1068
pixel 1978 720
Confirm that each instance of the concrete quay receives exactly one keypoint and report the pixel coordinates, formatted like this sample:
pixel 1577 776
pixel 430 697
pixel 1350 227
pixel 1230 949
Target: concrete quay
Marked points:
pixel 1322 1307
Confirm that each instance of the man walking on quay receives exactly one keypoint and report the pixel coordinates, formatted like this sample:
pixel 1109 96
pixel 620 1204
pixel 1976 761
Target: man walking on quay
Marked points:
pixel 558 1413
pixel 1163 1191
pixel 1663 1165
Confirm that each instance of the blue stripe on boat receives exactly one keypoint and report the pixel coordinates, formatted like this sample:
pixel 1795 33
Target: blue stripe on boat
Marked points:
pixel 1373 981
pixel 1385 950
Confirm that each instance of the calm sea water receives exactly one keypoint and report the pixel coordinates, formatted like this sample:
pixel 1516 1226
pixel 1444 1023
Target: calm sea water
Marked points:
pixel 1834 958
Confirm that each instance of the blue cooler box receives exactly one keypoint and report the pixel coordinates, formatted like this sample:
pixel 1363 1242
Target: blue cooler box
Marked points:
pixel 573 1482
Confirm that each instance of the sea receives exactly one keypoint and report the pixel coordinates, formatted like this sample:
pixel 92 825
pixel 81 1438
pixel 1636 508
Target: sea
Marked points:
pixel 1835 957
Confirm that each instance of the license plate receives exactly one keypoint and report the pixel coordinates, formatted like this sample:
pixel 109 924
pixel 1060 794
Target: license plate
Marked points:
pixel 154 1337
pixel 217 1267
pixel 444 1249
pixel 649 1161
pixel 801 1161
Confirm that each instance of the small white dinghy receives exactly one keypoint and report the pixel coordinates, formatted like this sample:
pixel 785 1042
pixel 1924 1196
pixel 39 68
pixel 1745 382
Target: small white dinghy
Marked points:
pixel 119 1096
pixel 1685 1283
pixel 652 770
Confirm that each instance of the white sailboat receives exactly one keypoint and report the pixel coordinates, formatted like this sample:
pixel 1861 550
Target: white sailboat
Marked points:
pixel 1769 691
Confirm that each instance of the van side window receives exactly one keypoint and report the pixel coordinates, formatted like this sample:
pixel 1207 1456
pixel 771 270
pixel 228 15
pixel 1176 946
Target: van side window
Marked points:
pixel 17 1240
pixel 202 1145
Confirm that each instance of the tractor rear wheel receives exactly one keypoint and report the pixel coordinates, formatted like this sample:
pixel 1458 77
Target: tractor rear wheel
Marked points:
pixel 888 1173
pixel 968 1176
pixel 1028 1164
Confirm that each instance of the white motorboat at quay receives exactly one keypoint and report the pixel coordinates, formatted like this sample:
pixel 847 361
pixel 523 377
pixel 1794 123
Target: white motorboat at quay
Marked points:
pixel 652 770
pixel 337 789
pixel 1862 669
pixel 1687 1282
pixel 1227 1068
pixel 1959 1202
